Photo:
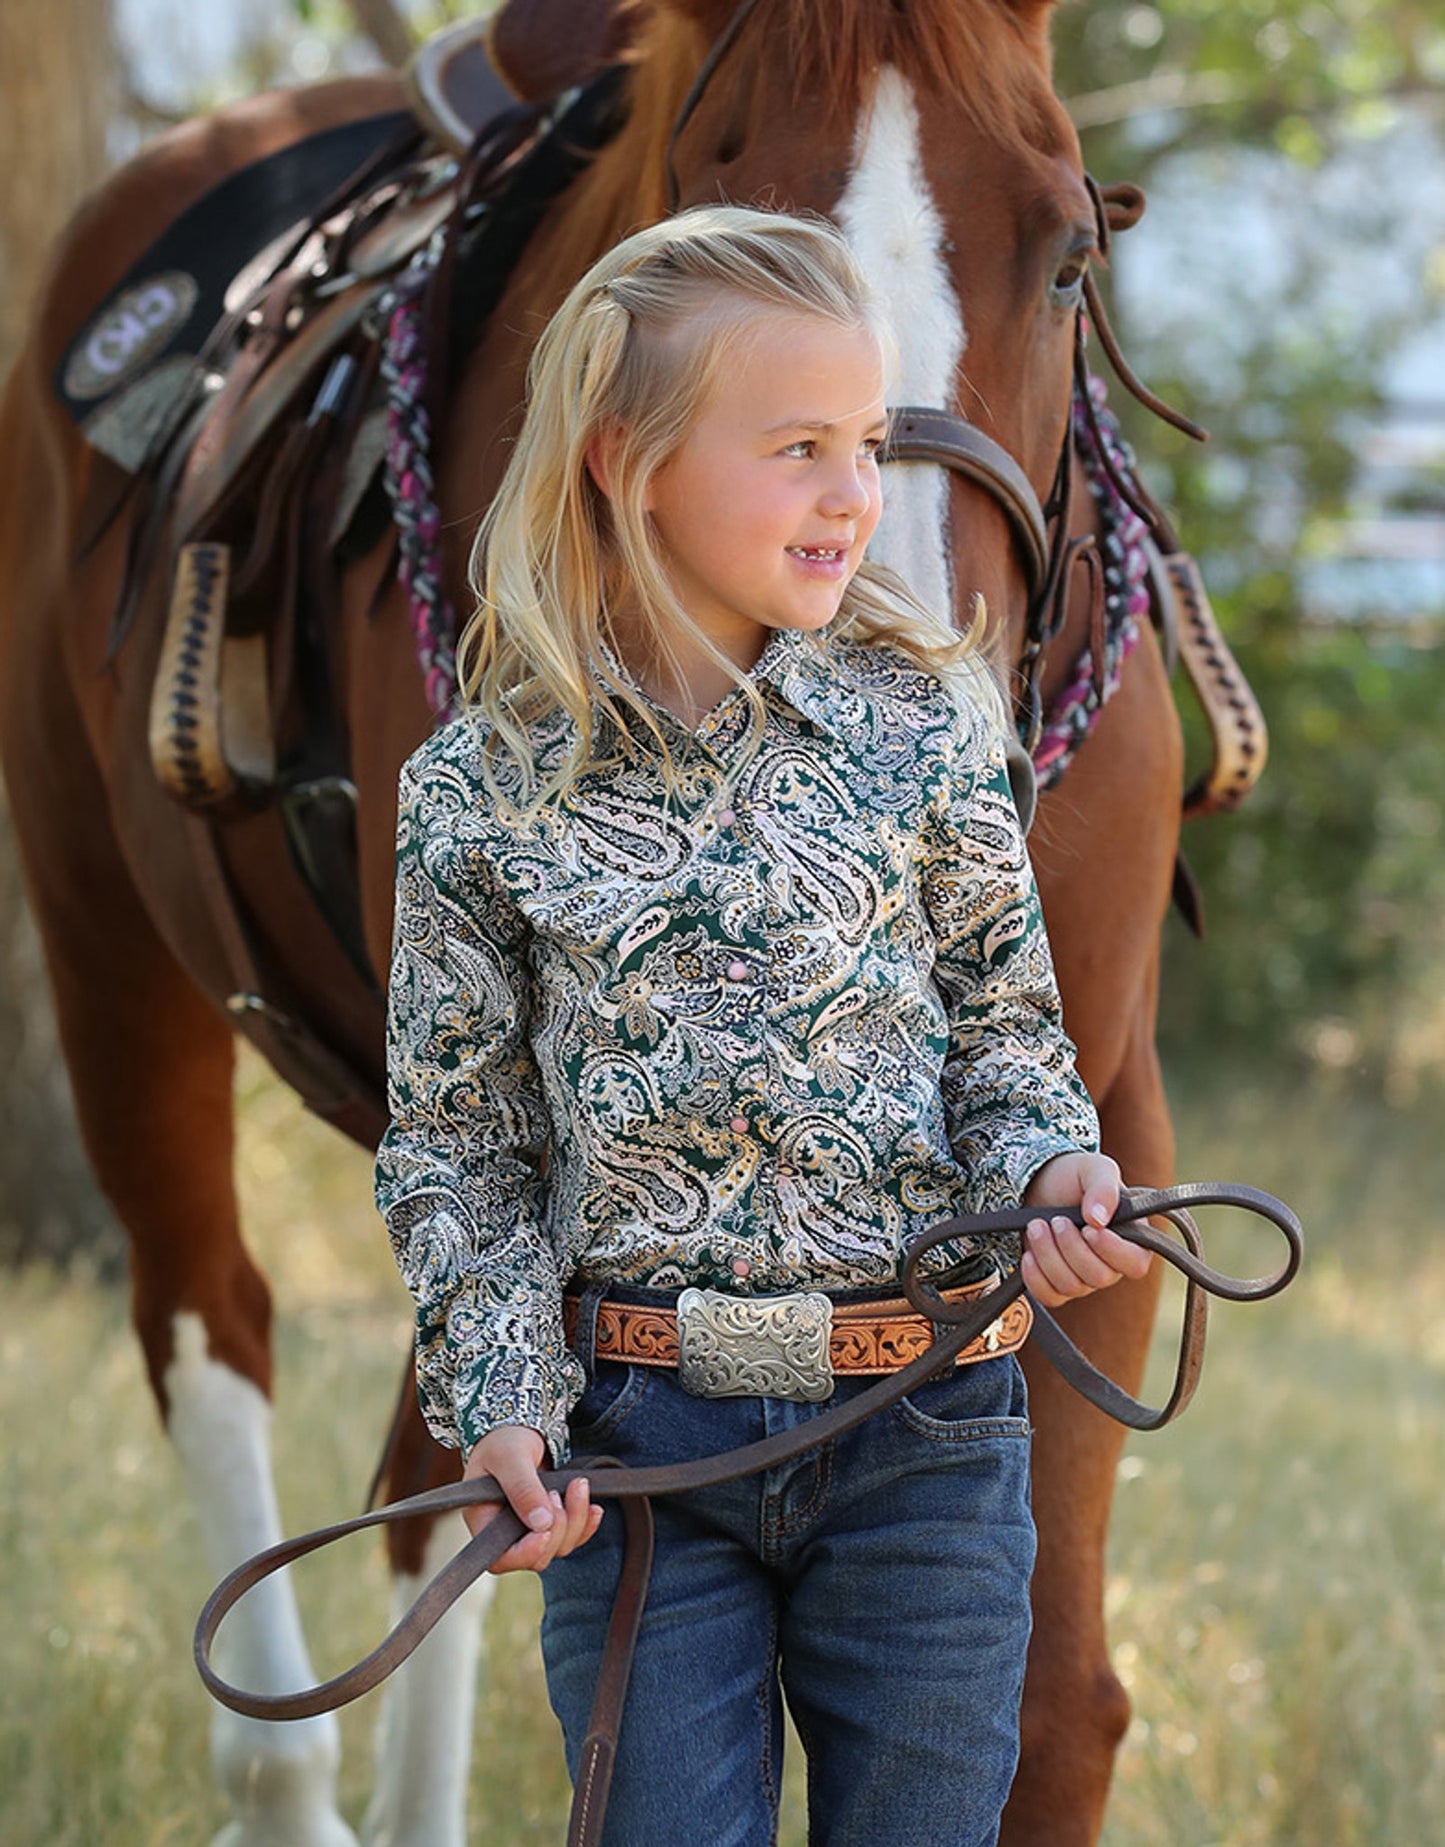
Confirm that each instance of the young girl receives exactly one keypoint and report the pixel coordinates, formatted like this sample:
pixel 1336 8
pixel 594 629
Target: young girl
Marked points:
pixel 719 974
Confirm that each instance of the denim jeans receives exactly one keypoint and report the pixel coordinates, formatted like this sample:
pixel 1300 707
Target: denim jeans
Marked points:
pixel 880 1584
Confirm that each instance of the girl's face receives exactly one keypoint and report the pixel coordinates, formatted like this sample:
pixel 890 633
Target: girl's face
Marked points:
pixel 764 512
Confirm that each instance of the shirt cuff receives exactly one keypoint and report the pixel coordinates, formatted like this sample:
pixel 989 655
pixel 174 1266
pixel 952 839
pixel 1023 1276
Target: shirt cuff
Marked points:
pixel 496 1386
pixel 1004 1178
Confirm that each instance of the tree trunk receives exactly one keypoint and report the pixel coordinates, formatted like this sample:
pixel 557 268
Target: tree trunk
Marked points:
pixel 57 69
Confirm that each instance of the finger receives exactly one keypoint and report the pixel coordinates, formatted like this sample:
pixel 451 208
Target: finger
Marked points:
pixel 518 1479
pixel 578 1524
pixel 555 1534
pixel 1122 1256
pixel 1064 1260
pixel 1076 1245
pixel 528 1554
pixel 1101 1190
pixel 521 1555
pixel 1046 1275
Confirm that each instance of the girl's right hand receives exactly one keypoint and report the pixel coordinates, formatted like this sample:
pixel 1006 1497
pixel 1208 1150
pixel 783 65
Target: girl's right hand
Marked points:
pixel 513 1454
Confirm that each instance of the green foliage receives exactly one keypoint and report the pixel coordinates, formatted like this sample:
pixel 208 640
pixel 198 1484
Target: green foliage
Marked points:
pixel 1325 893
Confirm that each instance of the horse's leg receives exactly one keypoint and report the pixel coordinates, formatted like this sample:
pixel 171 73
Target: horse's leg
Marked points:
pixel 151 1067
pixel 424 1736
pixel 1075 1710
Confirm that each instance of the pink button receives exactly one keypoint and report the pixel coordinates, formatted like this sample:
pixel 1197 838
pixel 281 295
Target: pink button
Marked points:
pixel 726 817
pixel 738 971
pixel 741 1266
pixel 739 1125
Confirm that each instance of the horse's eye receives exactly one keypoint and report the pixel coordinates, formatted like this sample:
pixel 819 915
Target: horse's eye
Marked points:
pixel 1069 279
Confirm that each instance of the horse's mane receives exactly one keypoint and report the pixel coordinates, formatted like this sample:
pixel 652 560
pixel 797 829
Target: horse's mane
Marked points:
pixel 990 57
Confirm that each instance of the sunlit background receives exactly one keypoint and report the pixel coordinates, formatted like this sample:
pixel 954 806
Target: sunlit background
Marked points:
pixel 1277 1582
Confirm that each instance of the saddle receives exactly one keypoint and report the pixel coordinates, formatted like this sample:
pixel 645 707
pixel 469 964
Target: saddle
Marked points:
pixel 234 381
pixel 265 438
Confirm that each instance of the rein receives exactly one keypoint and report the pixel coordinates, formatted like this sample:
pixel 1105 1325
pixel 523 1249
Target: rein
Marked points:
pixel 957 1325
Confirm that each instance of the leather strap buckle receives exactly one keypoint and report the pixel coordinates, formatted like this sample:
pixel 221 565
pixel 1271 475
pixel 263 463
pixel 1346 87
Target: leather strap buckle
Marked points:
pixel 765 1347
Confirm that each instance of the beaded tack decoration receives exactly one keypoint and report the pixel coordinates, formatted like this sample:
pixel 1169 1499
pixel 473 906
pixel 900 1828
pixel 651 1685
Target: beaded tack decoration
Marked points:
pixel 1075 712
pixel 411 487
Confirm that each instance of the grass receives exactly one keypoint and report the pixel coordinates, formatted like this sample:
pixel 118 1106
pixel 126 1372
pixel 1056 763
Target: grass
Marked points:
pixel 1276 1596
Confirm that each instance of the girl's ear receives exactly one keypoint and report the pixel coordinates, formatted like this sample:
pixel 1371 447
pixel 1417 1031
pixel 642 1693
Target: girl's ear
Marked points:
pixel 601 458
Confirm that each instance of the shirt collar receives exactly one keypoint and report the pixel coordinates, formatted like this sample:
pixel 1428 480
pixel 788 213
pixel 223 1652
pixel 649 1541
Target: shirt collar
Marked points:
pixel 797 666
pixel 792 664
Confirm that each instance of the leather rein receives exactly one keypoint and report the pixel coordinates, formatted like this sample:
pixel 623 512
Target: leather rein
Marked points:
pixel 957 1325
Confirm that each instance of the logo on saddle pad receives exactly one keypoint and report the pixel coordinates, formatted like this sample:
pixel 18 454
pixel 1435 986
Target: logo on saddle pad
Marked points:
pixel 134 327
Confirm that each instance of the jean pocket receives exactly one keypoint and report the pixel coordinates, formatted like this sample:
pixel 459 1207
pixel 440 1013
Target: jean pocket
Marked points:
pixel 971 1404
pixel 607 1402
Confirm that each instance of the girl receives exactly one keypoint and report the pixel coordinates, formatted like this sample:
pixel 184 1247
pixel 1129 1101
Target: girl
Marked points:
pixel 719 974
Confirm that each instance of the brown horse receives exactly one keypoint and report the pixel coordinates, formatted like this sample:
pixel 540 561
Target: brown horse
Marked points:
pixel 932 134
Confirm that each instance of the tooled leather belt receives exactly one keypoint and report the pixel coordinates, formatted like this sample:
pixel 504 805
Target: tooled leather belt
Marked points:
pixel 964 1320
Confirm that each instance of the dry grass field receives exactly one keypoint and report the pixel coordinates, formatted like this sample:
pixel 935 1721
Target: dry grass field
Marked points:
pixel 1277 1584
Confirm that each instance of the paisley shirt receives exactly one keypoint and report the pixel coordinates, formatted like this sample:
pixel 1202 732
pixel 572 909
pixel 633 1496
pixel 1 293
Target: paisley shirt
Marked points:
pixel 754 1034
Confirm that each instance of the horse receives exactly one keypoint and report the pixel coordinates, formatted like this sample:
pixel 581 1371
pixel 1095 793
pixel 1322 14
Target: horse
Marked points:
pixel 932 134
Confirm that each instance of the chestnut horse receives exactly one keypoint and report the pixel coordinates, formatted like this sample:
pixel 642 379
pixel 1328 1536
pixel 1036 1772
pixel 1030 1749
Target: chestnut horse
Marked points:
pixel 931 133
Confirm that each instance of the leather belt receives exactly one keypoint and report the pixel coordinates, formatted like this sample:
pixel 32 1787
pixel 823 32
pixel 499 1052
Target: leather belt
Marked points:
pixel 867 1339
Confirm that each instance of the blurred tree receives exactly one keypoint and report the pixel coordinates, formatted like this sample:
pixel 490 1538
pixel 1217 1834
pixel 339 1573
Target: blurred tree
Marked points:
pixel 56 89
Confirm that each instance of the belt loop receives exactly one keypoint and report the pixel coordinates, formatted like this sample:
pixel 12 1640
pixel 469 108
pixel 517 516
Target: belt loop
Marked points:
pixel 584 1339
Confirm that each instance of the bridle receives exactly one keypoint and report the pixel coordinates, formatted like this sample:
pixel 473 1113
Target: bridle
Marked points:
pixel 1046 549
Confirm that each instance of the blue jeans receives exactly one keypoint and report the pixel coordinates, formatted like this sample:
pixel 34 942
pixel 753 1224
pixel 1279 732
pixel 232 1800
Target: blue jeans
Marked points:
pixel 879 1583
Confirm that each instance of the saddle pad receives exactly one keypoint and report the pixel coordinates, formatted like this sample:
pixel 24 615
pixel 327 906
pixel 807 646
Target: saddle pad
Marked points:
pixel 129 363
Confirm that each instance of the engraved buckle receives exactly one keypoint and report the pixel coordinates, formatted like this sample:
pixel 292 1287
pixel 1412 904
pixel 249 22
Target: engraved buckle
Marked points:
pixel 755 1347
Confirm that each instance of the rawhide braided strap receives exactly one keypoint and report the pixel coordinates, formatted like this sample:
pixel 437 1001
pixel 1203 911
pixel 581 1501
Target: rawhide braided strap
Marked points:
pixel 634 1487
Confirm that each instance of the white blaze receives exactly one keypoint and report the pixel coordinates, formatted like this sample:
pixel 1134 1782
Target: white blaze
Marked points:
pixel 889 218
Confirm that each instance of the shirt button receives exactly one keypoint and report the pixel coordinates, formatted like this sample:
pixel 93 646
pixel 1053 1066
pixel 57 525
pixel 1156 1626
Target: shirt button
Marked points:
pixel 726 817
pixel 741 1266
pixel 738 971
pixel 739 1125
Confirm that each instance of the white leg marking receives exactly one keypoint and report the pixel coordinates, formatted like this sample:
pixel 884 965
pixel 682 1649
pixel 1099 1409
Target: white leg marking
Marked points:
pixel 281 1778
pixel 424 1735
pixel 889 218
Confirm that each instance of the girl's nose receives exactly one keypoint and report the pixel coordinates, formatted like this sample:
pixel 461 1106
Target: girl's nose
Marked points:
pixel 846 493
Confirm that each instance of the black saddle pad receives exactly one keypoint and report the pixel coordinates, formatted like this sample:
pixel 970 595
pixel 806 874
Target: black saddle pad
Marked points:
pixel 132 357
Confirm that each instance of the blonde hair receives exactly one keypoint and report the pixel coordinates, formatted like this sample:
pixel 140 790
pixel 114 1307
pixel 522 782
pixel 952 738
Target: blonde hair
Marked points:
pixel 636 351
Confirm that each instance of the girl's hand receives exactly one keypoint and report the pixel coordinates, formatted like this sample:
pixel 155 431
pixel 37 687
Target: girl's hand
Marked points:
pixel 513 1454
pixel 1062 1261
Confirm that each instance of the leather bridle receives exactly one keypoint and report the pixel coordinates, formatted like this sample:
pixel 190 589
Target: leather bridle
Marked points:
pixel 917 433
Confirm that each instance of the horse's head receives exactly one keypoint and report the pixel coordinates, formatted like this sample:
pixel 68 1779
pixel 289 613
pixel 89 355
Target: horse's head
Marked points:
pixel 932 134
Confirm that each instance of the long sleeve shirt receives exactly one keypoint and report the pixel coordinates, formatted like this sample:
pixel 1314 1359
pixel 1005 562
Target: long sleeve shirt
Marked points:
pixel 753 1032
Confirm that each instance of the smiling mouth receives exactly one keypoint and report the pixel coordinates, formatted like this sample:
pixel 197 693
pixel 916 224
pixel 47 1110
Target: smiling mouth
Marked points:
pixel 819 554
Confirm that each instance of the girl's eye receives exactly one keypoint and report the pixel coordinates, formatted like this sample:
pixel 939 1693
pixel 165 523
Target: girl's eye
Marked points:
pixel 803 448
pixel 871 445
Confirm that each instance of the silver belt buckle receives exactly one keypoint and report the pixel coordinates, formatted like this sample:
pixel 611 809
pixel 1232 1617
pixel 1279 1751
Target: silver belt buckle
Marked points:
pixel 762 1347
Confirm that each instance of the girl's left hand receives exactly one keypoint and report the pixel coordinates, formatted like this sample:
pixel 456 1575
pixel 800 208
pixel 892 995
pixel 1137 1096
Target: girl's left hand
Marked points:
pixel 1060 1260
